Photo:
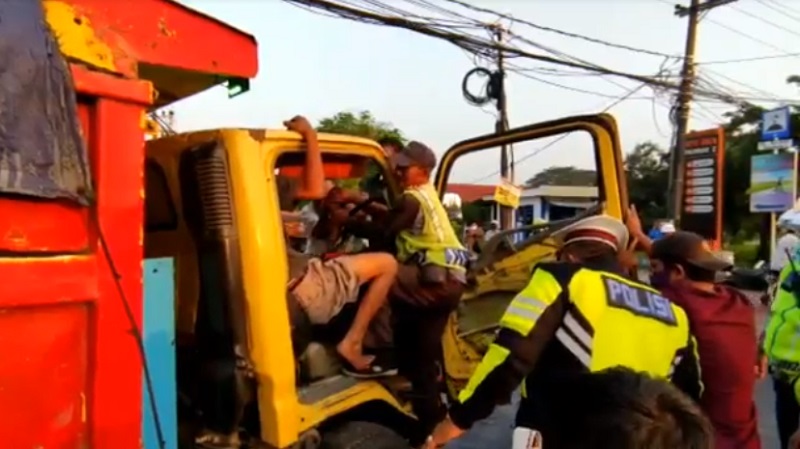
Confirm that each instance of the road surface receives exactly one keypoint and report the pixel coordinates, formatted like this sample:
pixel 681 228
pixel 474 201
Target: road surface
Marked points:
pixel 495 432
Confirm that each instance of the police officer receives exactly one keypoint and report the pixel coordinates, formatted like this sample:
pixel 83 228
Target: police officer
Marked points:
pixel 578 315
pixel 430 280
pixel 783 353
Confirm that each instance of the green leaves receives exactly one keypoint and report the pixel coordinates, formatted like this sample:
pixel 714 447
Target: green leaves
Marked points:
pixel 360 124
pixel 647 169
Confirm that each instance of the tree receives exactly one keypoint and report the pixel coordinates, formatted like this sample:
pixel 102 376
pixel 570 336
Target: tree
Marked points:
pixel 563 176
pixel 647 169
pixel 360 124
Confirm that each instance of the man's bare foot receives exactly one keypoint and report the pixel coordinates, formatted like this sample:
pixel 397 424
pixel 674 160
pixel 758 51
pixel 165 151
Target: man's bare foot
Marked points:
pixel 354 355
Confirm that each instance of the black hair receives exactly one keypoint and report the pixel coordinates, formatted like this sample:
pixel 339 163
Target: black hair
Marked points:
pixel 692 272
pixel 391 141
pixel 622 409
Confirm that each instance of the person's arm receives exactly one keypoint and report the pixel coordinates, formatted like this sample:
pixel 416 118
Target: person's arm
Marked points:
pixel 384 231
pixel 401 217
pixel 526 328
pixel 312 185
pixel 687 375
pixel 634 225
pixel 762 362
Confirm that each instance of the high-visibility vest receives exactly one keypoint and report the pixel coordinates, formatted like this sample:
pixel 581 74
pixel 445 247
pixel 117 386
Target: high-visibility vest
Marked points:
pixel 436 242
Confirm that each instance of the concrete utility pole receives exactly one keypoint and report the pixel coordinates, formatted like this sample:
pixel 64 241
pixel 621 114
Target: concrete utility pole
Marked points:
pixel 683 103
pixel 506 169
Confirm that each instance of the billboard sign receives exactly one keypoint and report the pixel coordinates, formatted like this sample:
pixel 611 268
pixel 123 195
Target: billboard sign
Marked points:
pixel 772 182
pixel 701 204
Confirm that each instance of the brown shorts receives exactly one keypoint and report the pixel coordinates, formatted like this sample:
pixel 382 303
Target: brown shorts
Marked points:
pixel 326 288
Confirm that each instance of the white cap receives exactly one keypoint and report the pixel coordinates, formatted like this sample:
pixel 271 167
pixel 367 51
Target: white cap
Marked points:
pixel 597 228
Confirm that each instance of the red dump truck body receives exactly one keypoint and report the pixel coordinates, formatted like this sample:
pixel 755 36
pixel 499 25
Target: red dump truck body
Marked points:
pixel 71 373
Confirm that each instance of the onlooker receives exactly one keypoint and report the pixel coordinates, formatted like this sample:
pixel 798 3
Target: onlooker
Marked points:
pixel 618 408
pixel 473 240
pixel 621 409
pixel 787 244
pixel 660 229
pixel 722 320
pixel 494 228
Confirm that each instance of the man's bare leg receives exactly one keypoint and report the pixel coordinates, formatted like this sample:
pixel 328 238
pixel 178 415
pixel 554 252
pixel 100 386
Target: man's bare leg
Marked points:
pixel 379 269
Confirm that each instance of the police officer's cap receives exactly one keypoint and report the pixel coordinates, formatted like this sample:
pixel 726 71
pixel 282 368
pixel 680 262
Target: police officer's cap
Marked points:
pixel 597 228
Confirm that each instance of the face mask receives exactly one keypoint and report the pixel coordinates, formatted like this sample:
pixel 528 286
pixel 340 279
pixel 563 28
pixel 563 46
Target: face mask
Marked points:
pixel 659 279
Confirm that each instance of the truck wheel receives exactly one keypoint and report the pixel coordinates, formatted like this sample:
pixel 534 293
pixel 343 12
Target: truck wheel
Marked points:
pixel 363 435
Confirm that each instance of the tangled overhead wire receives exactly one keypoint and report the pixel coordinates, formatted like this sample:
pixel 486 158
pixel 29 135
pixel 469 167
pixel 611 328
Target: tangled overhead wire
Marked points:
pixel 491 90
pixel 458 29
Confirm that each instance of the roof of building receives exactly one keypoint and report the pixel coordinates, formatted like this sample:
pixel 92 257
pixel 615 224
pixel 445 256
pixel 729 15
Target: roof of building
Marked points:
pixel 471 192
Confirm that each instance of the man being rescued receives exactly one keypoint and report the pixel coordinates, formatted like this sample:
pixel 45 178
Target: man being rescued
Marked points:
pixel 323 288
pixel 578 315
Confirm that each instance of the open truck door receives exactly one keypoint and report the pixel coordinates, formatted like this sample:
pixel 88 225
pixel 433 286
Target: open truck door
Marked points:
pixel 553 194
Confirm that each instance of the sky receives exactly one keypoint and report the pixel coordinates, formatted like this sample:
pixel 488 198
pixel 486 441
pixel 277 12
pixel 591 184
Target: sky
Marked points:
pixel 316 65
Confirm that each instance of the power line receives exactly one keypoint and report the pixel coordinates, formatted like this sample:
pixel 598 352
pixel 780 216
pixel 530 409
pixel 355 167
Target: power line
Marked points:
pixel 778 10
pixel 768 95
pixel 784 6
pixel 752 59
pixel 748 36
pixel 766 21
pixel 472 43
pixel 562 32
pixel 564 136
pixel 483 47
pixel 569 88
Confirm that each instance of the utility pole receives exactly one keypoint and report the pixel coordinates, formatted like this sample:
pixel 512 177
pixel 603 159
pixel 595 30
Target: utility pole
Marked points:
pixel 683 103
pixel 501 126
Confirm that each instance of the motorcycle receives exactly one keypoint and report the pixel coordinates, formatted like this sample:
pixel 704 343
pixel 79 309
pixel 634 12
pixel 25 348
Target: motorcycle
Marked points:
pixel 758 278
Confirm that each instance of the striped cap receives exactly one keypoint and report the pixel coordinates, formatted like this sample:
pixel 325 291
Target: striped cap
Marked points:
pixel 597 228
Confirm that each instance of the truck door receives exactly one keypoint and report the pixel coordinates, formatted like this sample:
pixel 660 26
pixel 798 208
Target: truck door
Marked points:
pixel 564 169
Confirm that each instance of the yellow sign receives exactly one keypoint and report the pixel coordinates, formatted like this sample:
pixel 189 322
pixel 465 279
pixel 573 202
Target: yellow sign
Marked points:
pixel 507 194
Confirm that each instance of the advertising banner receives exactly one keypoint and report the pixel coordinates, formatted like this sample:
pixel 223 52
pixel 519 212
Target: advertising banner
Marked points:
pixel 507 194
pixel 701 208
pixel 772 182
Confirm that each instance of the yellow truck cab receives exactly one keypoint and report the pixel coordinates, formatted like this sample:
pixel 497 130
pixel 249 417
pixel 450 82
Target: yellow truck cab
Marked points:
pixel 212 205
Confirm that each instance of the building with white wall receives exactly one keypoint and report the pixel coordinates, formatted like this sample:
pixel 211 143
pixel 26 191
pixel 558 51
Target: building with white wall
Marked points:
pixel 550 203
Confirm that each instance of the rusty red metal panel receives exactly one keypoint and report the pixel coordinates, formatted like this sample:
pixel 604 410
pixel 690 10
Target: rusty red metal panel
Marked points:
pixel 46 328
pixel 78 368
pixel 118 162
pixel 91 84
pixel 166 33
pixel 43 386
pixel 30 226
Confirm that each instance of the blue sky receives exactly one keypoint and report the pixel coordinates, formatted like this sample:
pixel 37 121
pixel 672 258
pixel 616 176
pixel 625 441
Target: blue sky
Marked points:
pixel 316 66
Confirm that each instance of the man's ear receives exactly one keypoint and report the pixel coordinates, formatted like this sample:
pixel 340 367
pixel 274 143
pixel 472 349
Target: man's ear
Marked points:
pixel 679 270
